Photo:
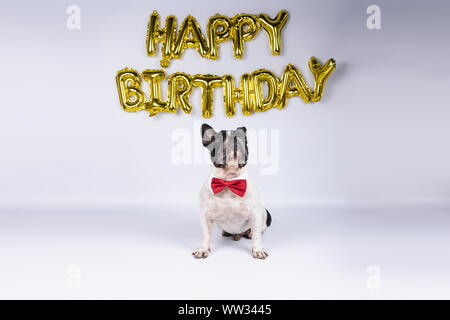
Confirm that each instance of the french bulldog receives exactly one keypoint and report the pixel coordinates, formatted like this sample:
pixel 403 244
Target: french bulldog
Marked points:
pixel 229 198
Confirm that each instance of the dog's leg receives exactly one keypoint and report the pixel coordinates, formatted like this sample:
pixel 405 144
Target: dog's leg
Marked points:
pixel 204 249
pixel 257 249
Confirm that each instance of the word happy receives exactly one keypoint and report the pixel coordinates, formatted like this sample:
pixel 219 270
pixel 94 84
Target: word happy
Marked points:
pixel 249 92
pixel 240 28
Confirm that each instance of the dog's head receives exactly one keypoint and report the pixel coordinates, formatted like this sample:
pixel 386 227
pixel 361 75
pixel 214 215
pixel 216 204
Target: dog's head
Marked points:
pixel 227 148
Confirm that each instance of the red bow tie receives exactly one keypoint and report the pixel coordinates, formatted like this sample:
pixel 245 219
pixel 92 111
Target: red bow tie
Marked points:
pixel 238 186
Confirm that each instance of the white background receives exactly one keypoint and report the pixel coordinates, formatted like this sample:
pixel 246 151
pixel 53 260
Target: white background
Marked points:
pixel 76 170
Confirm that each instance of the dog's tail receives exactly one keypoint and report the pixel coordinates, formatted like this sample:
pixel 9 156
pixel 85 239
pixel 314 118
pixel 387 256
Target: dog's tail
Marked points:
pixel 268 219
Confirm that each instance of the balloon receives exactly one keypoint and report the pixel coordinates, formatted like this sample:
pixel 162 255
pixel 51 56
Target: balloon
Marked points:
pixel 321 74
pixel 166 36
pixel 292 76
pixel 218 30
pixel 154 104
pixel 190 26
pixel 180 88
pixel 207 82
pixel 246 94
pixel 245 27
pixel 229 96
pixel 243 94
pixel 154 34
pixel 267 76
pixel 249 94
pixel 240 28
pixel 273 28
pixel 131 96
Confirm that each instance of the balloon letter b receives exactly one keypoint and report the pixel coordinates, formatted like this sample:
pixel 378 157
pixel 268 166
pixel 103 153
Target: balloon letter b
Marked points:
pixel 129 86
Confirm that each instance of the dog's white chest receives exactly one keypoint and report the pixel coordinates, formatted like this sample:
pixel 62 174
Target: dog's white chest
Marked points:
pixel 229 212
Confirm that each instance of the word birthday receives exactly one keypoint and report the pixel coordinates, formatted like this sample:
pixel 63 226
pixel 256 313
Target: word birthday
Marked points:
pixel 240 28
pixel 249 92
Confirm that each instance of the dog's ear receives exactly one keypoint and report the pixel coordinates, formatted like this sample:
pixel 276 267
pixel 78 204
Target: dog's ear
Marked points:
pixel 242 130
pixel 207 134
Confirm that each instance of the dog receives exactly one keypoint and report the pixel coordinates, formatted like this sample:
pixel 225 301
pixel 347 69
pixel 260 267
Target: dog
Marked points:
pixel 229 198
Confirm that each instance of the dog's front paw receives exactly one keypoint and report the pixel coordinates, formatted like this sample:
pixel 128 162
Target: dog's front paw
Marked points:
pixel 259 253
pixel 201 253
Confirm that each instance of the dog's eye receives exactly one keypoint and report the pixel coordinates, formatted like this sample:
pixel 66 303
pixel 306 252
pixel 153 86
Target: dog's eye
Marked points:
pixel 213 152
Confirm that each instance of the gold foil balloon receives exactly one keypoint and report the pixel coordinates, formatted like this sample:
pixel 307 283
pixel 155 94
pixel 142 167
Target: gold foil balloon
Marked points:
pixel 207 82
pixel 245 27
pixel 240 28
pixel 219 30
pixel 292 84
pixel 180 88
pixel 258 77
pixel 249 94
pixel 273 28
pixel 321 74
pixel 190 26
pixel 246 94
pixel 242 94
pixel 166 36
pixel 154 78
pixel 229 97
pixel 131 96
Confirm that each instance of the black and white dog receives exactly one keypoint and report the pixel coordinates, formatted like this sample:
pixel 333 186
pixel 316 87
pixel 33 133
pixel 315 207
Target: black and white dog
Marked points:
pixel 228 197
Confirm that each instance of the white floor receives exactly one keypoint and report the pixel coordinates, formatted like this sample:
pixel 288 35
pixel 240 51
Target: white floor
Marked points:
pixel 144 253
